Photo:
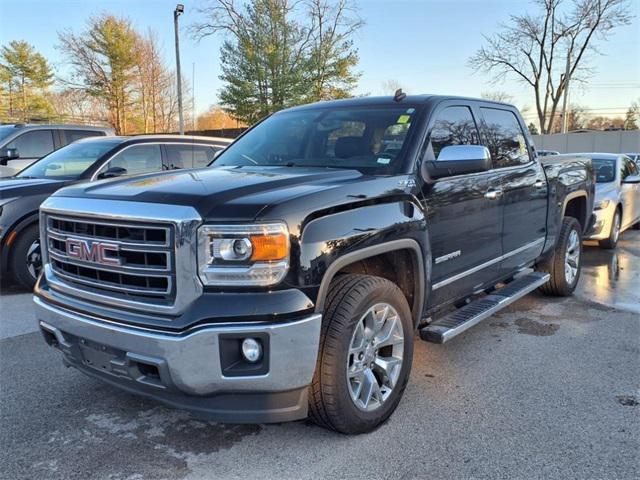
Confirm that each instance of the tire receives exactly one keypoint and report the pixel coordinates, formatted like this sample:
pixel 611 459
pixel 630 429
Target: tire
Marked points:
pixel 614 234
pixel 353 301
pixel 22 250
pixel 560 284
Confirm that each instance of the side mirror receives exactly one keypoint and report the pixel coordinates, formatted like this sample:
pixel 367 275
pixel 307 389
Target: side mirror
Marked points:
pixel 112 173
pixel 7 154
pixel 457 160
pixel 632 179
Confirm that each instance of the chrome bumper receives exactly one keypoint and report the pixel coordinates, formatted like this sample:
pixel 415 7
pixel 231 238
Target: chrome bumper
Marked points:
pixel 177 368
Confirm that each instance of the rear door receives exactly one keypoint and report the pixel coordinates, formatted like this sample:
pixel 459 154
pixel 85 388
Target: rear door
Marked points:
pixel 464 224
pixel 522 184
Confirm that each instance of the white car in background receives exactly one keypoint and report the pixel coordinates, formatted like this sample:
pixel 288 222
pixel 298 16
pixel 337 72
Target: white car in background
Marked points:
pixel 617 202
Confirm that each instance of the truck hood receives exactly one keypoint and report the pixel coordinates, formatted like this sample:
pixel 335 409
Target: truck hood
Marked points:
pixel 22 187
pixel 237 193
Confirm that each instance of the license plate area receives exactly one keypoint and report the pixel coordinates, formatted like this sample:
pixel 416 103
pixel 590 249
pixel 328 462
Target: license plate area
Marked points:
pixel 102 357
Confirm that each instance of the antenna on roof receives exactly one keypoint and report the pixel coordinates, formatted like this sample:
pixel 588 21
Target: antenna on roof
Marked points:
pixel 399 95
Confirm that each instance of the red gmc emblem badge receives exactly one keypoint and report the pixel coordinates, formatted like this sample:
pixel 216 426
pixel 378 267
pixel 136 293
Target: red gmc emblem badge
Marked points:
pixel 95 252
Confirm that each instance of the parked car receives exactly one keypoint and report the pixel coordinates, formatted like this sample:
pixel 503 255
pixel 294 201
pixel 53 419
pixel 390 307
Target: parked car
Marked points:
pixel 86 160
pixel 290 277
pixel 546 153
pixel 617 203
pixel 22 144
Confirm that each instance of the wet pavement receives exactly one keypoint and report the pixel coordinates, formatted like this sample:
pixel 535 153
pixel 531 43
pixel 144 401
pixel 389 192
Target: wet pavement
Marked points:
pixel 612 277
pixel 548 388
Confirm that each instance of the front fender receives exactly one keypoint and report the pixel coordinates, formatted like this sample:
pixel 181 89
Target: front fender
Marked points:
pixel 332 242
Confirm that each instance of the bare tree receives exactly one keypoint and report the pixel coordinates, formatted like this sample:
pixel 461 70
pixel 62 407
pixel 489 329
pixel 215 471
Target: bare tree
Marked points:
pixel 391 86
pixel 548 49
pixel 497 96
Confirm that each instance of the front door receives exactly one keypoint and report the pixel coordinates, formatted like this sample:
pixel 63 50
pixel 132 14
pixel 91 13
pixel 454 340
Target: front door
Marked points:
pixel 464 222
pixel 523 187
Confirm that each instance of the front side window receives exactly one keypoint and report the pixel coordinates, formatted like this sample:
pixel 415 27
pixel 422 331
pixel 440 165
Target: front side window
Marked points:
pixel 605 169
pixel 189 156
pixel 33 144
pixel 136 160
pixel 504 138
pixel 69 162
pixel 453 126
pixel 369 139
pixel 629 168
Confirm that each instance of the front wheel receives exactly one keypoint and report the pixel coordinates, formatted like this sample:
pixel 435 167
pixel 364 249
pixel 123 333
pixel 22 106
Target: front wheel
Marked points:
pixel 26 258
pixel 565 264
pixel 364 360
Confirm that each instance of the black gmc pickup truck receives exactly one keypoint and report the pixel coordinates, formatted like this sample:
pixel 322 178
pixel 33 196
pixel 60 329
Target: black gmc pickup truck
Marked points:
pixel 290 278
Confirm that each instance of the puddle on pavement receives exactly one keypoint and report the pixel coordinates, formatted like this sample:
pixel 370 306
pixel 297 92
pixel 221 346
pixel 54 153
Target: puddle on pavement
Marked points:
pixel 533 327
pixel 628 400
pixel 612 277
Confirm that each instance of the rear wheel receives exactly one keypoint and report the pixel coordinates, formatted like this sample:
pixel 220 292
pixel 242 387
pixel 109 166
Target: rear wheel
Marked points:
pixel 364 360
pixel 25 257
pixel 565 264
pixel 614 234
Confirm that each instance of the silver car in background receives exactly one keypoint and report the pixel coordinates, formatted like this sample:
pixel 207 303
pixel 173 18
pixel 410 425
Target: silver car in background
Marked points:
pixel 617 202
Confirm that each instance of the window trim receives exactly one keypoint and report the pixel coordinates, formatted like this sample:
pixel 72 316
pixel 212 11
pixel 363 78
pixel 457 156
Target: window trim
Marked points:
pixel 94 175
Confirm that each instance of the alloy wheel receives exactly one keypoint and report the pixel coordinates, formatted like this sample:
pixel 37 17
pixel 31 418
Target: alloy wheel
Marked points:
pixel 34 259
pixel 572 257
pixel 375 357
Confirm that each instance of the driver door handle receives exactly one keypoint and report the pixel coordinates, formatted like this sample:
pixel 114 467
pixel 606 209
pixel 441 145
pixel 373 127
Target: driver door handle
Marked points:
pixel 493 194
pixel 539 184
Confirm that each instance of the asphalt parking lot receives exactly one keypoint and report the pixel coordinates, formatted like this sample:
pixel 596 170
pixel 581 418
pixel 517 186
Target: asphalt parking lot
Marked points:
pixel 546 389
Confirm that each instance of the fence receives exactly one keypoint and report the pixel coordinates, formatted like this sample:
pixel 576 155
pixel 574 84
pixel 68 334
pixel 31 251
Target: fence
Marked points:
pixel 604 142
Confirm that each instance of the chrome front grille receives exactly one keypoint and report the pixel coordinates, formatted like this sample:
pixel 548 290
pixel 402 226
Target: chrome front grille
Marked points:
pixel 139 264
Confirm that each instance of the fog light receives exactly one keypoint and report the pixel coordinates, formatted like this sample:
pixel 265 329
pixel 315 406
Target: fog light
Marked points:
pixel 251 350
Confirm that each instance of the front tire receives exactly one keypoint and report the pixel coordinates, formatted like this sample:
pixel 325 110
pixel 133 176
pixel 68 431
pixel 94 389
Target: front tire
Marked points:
pixel 614 234
pixel 25 258
pixel 364 359
pixel 565 264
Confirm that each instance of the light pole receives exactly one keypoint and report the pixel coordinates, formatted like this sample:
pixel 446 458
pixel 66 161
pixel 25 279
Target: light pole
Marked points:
pixel 176 13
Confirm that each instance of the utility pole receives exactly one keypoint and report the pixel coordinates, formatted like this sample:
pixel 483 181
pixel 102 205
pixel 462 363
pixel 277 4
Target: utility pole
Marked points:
pixel 176 13
pixel 567 75
pixel 193 97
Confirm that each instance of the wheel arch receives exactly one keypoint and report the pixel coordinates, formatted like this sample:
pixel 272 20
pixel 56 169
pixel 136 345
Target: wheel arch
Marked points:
pixel 355 262
pixel 576 205
pixel 13 232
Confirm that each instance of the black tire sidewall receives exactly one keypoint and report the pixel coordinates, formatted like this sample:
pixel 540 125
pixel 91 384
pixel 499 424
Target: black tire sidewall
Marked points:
pixel 381 293
pixel 18 255
pixel 567 227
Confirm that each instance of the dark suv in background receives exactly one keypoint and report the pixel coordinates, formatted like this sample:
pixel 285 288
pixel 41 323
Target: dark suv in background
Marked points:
pixel 21 145
pixel 86 160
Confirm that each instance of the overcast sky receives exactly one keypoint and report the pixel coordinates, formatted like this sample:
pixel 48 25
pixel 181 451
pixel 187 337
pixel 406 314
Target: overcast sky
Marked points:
pixel 422 44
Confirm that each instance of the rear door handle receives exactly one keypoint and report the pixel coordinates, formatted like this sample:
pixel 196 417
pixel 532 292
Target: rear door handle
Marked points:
pixel 493 194
pixel 539 184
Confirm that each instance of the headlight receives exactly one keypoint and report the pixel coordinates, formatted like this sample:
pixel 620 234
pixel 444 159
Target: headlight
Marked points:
pixel 243 255
pixel 601 204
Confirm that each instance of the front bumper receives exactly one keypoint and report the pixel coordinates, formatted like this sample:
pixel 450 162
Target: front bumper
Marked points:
pixel 186 370
pixel 603 223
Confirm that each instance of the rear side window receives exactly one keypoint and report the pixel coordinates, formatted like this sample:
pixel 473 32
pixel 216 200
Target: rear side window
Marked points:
pixel 453 126
pixel 189 156
pixel 73 135
pixel 33 144
pixel 504 138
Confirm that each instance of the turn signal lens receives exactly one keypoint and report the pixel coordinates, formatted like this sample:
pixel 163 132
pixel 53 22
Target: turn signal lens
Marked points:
pixel 269 247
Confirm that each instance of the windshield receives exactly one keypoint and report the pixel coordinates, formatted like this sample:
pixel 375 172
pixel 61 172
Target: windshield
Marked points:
pixel 6 130
pixel 370 139
pixel 605 169
pixel 69 162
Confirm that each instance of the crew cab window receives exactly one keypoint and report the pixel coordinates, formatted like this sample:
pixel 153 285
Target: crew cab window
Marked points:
pixel 33 144
pixel 190 156
pixel 505 138
pixel 136 160
pixel 73 135
pixel 453 126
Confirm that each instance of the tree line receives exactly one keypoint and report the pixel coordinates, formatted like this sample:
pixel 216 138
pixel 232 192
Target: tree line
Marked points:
pixel 281 53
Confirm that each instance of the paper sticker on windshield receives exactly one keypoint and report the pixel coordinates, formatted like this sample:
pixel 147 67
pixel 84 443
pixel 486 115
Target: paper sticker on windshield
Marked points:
pixel 403 118
pixel 384 161
pixel 410 110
